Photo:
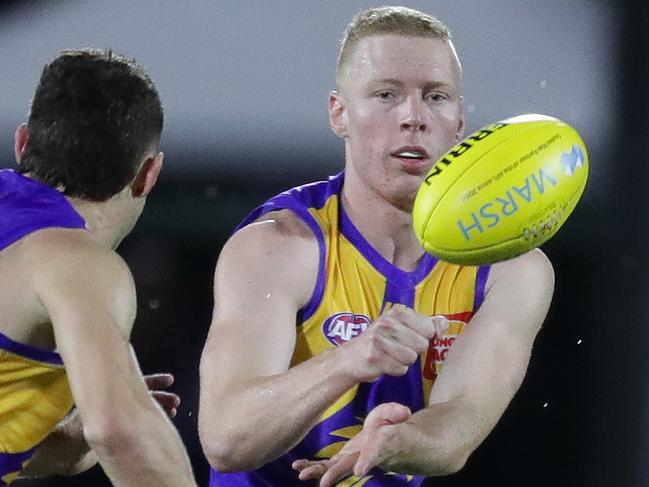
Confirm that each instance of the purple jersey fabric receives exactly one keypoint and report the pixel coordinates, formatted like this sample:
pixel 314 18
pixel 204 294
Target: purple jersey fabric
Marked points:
pixel 404 390
pixel 27 206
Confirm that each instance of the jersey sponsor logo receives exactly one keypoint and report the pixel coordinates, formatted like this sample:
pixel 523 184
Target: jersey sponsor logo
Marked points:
pixel 439 346
pixel 342 327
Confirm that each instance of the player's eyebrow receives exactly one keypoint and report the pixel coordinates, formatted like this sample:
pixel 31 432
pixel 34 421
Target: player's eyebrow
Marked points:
pixel 387 81
pixel 433 85
pixel 429 85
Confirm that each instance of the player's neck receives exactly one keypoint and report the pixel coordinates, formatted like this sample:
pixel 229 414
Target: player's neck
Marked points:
pixel 108 222
pixel 385 226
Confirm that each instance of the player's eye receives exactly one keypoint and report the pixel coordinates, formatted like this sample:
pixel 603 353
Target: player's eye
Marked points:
pixel 385 95
pixel 435 97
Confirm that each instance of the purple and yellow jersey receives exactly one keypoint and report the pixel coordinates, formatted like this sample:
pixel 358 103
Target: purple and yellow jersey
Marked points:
pixel 34 391
pixel 355 284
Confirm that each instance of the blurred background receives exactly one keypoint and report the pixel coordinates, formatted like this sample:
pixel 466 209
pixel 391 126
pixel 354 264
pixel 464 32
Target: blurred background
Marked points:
pixel 244 84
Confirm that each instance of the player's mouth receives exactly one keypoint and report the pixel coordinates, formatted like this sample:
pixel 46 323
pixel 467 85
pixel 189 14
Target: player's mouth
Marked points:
pixel 413 159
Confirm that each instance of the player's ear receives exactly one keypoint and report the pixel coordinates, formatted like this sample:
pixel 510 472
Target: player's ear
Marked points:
pixel 147 176
pixel 337 114
pixel 459 134
pixel 20 141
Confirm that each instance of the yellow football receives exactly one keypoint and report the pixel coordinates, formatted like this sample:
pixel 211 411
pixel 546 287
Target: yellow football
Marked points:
pixel 502 191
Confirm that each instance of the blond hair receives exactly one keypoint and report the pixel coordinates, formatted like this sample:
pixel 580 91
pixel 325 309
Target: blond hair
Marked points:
pixel 387 20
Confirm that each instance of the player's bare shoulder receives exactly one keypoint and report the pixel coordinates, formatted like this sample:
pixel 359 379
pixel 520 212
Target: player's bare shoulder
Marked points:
pixel 64 258
pixel 279 233
pixel 527 281
pixel 284 224
pixel 533 268
pixel 73 248
pixel 278 246
pixel 53 265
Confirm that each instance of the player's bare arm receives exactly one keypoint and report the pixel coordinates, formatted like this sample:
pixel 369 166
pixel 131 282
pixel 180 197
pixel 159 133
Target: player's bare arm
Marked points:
pixel 66 452
pixel 483 370
pixel 265 274
pixel 89 295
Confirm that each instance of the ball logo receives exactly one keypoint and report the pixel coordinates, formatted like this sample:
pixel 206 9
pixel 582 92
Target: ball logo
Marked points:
pixel 342 327
pixel 571 161
pixel 507 204
pixel 462 148
pixel 502 191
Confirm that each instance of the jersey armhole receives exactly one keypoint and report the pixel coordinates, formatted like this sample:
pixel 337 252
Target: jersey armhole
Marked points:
pixel 480 286
pixel 285 202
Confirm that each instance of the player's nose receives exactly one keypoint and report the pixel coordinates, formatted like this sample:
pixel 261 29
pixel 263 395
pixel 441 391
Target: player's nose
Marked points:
pixel 413 119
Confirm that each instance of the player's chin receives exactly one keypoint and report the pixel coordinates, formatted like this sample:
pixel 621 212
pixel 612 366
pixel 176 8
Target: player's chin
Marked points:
pixel 402 186
pixel 403 197
pixel 410 181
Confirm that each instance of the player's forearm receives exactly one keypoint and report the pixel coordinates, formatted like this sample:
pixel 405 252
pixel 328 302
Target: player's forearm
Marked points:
pixel 64 452
pixel 144 451
pixel 262 419
pixel 434 441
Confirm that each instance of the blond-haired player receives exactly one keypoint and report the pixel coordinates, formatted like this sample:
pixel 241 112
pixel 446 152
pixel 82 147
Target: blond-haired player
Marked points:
pixel 339 349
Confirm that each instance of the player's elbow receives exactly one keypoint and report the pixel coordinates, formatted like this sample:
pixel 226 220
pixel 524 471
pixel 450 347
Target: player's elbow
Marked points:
pixel 225 456
pixel 109 439
pixel 221 458
pixel 225 448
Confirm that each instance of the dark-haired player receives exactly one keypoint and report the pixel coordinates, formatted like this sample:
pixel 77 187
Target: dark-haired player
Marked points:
pixel 88 157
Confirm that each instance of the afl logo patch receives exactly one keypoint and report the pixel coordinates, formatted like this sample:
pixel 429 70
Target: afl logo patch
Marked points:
pixel 342 327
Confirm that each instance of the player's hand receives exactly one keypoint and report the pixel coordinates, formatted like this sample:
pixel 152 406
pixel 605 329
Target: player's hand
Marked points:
pixel 72 427
pixel 168 400
pixel 361 453
pixel 391 343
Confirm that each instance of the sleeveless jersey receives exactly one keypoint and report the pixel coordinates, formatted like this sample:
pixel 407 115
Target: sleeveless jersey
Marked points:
pixel 34 391
pixel 355 284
